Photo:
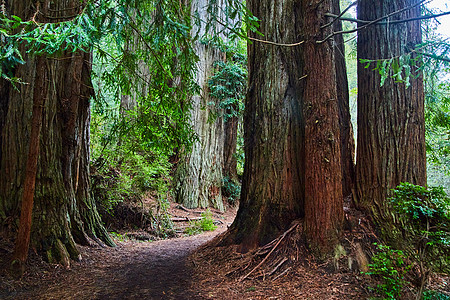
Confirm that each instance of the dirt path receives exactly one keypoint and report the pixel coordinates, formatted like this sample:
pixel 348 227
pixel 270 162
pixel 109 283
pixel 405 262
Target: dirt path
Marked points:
pixel 133 270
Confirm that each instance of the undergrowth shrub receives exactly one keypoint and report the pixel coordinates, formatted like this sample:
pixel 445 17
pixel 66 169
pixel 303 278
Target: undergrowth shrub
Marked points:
pixel 231 189
pixel 123 173
pixel 434 295
pixel 390 267
pixel 205 224
pixel 424 217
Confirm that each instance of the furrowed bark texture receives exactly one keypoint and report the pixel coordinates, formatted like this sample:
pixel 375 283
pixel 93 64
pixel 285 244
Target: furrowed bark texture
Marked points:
pixel 292 139
pixel 391 139
pixel 273 184
pixel 129 101
pixel 23 237
pixel 63 210
pixel 229 150
pixel 198 178
pixel 323 184
pixel 345 122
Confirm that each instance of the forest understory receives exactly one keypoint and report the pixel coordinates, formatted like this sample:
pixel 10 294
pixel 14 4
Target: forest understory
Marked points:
pixel 113 110
pixel 191 267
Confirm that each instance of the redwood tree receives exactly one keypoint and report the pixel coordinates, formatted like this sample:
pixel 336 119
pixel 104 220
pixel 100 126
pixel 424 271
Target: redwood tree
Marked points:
pixel 63 212
pixel 198 177
pixel 345 122
pixel 391 131
pixel 292 138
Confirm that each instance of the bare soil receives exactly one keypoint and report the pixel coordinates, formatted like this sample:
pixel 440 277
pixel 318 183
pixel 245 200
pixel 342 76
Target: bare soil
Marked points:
pixel 132 270
pixel 181 268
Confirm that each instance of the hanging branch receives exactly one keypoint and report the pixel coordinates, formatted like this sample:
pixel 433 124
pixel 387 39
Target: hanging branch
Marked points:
pixel 437 57
pixel 371 22
pixel 337 17
pixel 386 23
pixel 251 38
pixel 276 44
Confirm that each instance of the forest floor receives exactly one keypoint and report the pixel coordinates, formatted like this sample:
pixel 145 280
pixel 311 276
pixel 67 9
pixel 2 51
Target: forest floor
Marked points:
pixel 180 268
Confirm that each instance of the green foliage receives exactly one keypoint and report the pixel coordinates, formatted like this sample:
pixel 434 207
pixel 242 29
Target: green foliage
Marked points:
pixel 162 220
pixel 424 216
pixel 390 267
pixel 231 189
pixel 419 206
pixel 152 61
pixel 434 295
pixel 229 82
pixel 398 68
pixel 437 122
pixel 205 224
pixel 235 17
pixel 118 236
pixel 129 176
pixel 228 85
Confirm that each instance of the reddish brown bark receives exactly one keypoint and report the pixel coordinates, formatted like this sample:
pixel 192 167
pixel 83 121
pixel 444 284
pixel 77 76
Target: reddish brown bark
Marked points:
pixel 272 186
pixel 345 122
pixel 23 236
pixel 323 179
pixel 292 139
pixel 63 210
pixel 391 131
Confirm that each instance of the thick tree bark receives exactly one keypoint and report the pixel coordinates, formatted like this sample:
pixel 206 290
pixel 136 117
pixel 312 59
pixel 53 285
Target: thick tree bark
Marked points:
pixel 323 184
pixel 63 210
pixel 291 130
pixel 23 237
pixel 229 149
pixel 198 177
pixel 345 122
pixel 391 131
pixel 129 101
pixel 273 185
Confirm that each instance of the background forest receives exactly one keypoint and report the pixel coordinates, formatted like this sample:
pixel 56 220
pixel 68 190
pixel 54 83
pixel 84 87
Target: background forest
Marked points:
pixel 305 120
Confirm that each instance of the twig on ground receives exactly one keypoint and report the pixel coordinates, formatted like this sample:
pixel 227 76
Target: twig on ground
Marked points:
pixel 282 273
pixel 285 259
pixel 271 251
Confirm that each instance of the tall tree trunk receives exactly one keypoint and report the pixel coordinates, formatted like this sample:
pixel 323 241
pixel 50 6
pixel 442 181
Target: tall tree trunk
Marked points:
pixel 291 130
pixel 345 122
pixel 198 177
pixel 23 237
pixel 129 100
pixel 229 149
pixel 199 173
pixel 391 131
pixel 323 178
pixel 63 209
pixel 272 193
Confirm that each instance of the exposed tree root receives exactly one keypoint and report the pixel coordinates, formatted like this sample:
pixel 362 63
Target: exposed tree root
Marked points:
pixel 283 254
pixel 270 261
pixel 271 251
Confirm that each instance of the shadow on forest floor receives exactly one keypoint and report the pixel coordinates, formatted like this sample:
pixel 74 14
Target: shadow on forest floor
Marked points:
pixel 172 269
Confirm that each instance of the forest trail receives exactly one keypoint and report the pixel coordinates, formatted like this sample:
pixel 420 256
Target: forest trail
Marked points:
pixel 132 270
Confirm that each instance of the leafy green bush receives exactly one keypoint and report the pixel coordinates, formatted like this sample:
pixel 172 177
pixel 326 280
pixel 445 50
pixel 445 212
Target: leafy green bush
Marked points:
pixel 434 295
pixel 228 85
pixel 127 170
pixel 231 189
pixel 424 216
pixel 390 266
pixel 205 224
pixel 437 125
